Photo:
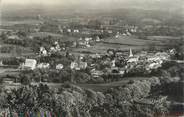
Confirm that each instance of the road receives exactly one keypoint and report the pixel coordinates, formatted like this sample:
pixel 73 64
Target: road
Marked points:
pixel 104 86
pixel 96 87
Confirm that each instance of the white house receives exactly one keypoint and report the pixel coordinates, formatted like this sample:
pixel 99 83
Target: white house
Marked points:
pixel 30 64
pixel 133 59
pixel 78 66
pixel 163 55
pixel 73 65
pixel 113 63
pixel 43 65
pixel 110 31
pixel 154 65
pixel 59 66
pixel 83 65
pixel 13 37
pixel 69 30
pixel 172 51
pixel 43 51
pixel 76 31
pixel 96 73
pixel 97 39
pixel 154 58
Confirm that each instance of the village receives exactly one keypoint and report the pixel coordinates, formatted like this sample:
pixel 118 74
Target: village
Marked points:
pixel 112 64
pixel 81 62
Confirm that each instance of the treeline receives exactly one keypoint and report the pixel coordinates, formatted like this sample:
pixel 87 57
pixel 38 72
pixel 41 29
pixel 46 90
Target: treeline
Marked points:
pixel 77 102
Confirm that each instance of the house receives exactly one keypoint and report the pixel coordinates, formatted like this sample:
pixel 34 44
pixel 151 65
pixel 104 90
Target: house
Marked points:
pixel 81 43
pixel 122 71
pixel 29 64
pixel 162 55
pixel 96 73
pixel 97 39
pixel 133 59
pixel 153 58
pixel 43 51
pixel 154 65
pixel 113 63
pixel 74 44
pixel 128 34
pixel 69 30
pixel 117 36
pixel 73 65
pixel 78 65
pixel 110 31
pixel 55 48
pixel 59 66
pixel 156 61
pixel 172 51
pixel 13 37
pixel 95 55
pixel 124 34
pixel 84 43
pixel 52 50
pixel 87 39
pixel 88 45
pixel 43 65
pixel 83 65
pixel 76 31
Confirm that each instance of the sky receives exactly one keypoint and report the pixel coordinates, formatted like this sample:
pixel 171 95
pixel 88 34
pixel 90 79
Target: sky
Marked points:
pixel 156 4
pixel 68 2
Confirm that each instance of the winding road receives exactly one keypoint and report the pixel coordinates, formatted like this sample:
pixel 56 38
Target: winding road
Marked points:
pixel 96 87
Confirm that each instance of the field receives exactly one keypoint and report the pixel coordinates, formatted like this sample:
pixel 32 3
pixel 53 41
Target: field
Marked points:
pixel 27 22
pixel 163 39
pixel 126 42
pixel 45 34
pixel 62 38
pixel 8 71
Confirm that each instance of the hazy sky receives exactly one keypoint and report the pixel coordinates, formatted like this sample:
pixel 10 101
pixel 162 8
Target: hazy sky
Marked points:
pixel 164 4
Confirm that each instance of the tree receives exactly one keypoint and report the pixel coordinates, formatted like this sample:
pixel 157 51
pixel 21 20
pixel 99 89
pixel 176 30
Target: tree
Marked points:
pixel 26 80
pixel 3 36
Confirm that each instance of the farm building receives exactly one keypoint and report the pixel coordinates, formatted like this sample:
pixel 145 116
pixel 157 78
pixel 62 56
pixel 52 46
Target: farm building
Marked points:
pixel 29 64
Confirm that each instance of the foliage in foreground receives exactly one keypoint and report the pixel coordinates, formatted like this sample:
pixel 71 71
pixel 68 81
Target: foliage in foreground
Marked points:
pixel 77 102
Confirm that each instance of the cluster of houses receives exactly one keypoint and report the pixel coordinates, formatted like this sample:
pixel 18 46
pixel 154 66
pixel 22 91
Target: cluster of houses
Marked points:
pixel 120 64
pixel 86 42
pixel 32 64
pixel 127 32
pixel 147 61
pixel 53 49
pixel 110 63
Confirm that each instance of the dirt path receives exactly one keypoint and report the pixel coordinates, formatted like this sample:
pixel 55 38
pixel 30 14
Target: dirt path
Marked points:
pixel 104 86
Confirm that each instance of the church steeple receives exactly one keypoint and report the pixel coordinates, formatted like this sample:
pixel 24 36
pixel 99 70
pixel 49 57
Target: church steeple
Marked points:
pixel 131 53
